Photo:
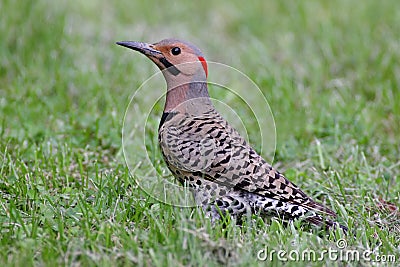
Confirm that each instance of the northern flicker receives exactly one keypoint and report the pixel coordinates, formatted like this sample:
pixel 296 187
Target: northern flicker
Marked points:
pixel 201 149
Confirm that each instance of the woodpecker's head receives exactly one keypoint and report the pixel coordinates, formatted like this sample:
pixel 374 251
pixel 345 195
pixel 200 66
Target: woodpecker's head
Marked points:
pixel 179 61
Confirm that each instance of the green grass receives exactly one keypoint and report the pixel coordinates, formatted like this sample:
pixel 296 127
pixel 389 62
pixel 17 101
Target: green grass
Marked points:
pixel 329 69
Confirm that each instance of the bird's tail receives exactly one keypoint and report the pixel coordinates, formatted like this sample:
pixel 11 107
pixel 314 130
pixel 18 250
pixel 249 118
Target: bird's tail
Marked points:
pixel 315 206
pixel 325 223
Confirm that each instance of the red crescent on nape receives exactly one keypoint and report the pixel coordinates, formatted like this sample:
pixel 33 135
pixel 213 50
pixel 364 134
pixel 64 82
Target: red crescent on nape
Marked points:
pixel 204 63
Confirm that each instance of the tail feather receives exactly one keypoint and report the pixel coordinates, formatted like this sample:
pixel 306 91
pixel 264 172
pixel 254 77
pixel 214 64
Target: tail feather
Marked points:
pixel 327 224
pixel 312 205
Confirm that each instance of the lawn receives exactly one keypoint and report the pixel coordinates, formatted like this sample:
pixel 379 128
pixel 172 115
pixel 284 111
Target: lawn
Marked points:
pixel 329 72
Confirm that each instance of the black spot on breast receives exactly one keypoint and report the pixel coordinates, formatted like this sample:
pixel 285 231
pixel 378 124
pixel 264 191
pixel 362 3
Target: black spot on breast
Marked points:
pixel 219 203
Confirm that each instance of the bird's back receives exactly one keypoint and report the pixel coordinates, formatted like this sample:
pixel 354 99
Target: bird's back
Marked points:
pixel 217 163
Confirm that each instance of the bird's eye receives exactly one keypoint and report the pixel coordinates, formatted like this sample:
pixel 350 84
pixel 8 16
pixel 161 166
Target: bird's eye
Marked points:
pixel 176 51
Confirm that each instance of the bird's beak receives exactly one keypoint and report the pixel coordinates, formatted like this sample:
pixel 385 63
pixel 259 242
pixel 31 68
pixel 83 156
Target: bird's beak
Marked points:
pixel 153 54
pixel 144 48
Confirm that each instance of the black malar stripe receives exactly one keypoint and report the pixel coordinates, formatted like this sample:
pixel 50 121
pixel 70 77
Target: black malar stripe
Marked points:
pixel 171 68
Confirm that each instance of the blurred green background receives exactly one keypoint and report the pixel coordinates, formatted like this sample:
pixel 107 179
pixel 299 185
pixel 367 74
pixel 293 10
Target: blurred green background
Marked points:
pixel 329 70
